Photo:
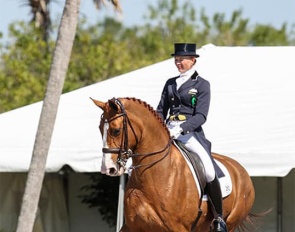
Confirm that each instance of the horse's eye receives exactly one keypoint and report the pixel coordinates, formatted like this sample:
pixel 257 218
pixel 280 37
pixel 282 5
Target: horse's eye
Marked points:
pixel 116 131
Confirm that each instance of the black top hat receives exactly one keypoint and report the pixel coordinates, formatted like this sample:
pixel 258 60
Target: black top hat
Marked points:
pixel 185 49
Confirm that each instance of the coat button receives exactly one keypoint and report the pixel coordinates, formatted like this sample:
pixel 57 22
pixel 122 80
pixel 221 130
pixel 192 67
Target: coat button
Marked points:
pixel 172 99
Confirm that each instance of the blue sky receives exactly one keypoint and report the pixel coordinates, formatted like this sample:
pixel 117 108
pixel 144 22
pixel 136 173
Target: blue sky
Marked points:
pixel 272 12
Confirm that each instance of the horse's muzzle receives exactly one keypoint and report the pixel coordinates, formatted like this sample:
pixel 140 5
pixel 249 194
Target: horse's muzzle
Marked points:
pixel 113 171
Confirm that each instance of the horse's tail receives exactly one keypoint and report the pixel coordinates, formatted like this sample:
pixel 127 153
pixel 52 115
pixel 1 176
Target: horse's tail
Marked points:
pixel 251 222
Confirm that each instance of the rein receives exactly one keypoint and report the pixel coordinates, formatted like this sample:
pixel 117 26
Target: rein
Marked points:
pixel 123 151
pixel 168 146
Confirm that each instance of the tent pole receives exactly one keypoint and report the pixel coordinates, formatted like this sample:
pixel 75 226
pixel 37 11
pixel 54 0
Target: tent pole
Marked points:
pixel 280 204
pixel 120 212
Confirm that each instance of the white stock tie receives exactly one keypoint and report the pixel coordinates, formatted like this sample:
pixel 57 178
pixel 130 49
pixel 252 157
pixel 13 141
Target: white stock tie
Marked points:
pixel 183 77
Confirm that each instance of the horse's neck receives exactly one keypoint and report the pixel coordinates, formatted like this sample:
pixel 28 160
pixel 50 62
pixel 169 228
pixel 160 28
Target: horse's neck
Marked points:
pixel 163 174
pixel 154 147
pixel 151 157
pixel 150 168
pixel 153 137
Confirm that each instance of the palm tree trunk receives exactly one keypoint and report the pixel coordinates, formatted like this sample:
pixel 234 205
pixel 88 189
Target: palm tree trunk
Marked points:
pixel 59 66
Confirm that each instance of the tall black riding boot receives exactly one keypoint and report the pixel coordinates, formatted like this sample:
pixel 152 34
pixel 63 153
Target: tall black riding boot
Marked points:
pixel 214 192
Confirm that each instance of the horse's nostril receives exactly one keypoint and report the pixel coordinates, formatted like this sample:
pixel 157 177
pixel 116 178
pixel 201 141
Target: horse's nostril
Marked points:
pixel 112 171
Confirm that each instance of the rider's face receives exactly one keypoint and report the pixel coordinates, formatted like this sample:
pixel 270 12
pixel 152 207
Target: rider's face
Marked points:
pixel 184 63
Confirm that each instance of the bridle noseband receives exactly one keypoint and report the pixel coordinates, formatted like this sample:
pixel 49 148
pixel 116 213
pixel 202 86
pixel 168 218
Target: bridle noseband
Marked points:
pixel 123 151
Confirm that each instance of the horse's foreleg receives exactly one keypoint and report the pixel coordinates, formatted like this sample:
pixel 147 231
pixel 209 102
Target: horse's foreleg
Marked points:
pixel 124 228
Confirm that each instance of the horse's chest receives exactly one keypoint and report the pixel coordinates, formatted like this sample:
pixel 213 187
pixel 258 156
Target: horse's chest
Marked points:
pixel 141 210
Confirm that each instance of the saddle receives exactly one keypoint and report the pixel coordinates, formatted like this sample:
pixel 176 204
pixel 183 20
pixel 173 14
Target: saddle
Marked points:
pixel 197 164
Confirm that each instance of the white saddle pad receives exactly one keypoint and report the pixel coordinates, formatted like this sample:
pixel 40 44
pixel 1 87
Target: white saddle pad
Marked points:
pixel 225 181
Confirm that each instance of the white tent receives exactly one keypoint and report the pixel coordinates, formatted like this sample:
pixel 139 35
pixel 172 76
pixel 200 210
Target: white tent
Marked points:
pixel 251 116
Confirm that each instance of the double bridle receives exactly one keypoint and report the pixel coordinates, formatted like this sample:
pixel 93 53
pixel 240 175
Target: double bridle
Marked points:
pixel 123 151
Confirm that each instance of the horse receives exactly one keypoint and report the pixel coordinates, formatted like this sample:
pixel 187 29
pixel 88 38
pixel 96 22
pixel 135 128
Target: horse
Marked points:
pixel 161 194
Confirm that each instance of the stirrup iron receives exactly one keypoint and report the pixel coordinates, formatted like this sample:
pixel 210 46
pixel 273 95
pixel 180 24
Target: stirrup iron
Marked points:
pixel 218 225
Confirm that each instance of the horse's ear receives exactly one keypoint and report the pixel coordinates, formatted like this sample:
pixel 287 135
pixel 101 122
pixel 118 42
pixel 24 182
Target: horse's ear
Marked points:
pixel 99 103
pixel 114 105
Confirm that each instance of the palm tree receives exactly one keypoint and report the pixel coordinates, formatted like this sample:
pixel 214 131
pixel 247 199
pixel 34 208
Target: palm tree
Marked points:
pixel 59 66
pixel 41 15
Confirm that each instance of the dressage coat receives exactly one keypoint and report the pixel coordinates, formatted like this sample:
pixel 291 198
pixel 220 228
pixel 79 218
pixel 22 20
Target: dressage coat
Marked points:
pixel 179 102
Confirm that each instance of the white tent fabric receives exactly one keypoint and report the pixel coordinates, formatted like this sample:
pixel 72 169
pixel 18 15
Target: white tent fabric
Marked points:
pixel 251 118
pixel 52 204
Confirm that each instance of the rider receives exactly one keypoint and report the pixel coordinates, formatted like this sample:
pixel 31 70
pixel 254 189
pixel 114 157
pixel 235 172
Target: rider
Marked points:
pixel 187 98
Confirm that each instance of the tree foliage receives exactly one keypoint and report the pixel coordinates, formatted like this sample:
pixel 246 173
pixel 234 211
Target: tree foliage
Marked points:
pixel 24 68
pixel 40 11
pixel 103 195
pixel 108 48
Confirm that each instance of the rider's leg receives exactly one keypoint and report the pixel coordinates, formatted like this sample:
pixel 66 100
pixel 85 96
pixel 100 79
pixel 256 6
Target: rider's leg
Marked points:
pixel 194 145
pixel 213 186
pixel 214 192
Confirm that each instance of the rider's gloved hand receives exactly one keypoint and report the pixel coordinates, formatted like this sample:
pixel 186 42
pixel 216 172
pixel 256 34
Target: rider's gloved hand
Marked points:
pixel 175 131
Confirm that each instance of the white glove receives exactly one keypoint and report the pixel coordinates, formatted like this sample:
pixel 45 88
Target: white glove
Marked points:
pixel 175 131
pixel 129 167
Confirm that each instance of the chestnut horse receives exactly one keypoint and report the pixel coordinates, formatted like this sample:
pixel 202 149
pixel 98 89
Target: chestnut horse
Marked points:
pixel 161 194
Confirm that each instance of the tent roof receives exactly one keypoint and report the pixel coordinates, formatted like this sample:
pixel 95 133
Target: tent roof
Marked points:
pixel 251 117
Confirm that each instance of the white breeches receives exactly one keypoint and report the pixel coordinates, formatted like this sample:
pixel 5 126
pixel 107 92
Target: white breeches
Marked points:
pixel 193 144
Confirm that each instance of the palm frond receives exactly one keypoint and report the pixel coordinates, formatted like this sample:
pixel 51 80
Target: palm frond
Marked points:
pixel 115 3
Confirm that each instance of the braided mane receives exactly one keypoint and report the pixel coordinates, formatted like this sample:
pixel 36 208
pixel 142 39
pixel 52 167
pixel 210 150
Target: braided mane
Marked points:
pixel 150 109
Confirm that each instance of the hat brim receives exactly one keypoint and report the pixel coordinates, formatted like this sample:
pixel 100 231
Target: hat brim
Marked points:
pixel 185 54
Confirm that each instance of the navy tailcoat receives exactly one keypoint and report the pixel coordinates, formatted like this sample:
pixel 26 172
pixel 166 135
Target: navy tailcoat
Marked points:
pixel 179 102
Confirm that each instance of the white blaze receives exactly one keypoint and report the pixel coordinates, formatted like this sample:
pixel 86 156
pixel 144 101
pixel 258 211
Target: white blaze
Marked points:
pixel 107 162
